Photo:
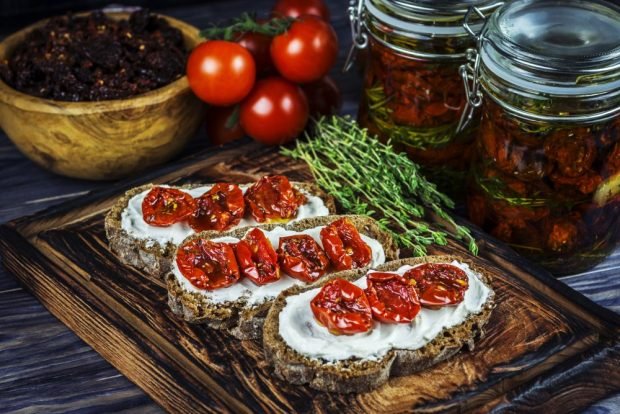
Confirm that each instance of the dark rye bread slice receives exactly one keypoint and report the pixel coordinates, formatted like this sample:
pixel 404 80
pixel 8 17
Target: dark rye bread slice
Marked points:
pixel 245 322
pixel 151 256
pixel 356 375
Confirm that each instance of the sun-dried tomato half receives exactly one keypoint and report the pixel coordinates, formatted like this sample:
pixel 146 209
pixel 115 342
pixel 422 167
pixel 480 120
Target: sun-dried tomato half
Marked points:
pixel 208 265
pixel 220 208
pixel 392 299
pixel 301 257
pixel 344 245
pixel 165 206
pixel 438 284
pixel 257 258
pixel 342 308
pixel 273 199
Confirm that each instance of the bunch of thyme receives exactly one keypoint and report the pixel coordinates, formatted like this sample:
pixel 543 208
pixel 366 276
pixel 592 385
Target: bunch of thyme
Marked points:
pixel 368 177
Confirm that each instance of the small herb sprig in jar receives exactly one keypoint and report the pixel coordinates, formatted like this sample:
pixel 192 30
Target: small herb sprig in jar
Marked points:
pixel 369 177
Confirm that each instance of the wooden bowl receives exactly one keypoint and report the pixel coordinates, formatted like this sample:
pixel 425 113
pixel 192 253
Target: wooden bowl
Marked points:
pixel 106 139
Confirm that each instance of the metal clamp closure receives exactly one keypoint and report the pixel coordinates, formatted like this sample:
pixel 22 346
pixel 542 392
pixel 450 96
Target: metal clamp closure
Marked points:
pixel 358 33
pixel 470 72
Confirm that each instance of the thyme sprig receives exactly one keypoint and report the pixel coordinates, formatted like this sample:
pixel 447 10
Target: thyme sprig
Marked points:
pixel 247 23
pixel 369 177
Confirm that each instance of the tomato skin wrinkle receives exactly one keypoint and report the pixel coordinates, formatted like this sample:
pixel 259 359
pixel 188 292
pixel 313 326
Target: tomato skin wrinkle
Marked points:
pixel 438 284
pixel 221 73
pixel 392 299
pixel 301 257
pixel 220 208
pixel 208 265
pixel 257 258
pixel 344 245
pixel 342 308
pixel 273 199
pixel 307 51
pixel 275 112
pixel 164 206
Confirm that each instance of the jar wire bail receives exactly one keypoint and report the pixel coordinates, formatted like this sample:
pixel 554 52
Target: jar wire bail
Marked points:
pixel 470 71
pixel 358 34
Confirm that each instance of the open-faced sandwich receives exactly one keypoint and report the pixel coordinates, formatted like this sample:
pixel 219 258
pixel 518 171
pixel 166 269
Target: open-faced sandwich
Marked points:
pixel 230 281
pixel 353 330
pixel 146 225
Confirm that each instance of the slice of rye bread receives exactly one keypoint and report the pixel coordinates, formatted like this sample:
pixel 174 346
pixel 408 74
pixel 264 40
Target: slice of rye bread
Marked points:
pixel 151 256
pixel 357 375
pixel 243 321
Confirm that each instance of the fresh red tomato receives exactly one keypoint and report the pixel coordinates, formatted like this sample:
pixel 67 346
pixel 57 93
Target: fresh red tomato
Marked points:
pixel 438 284
pixel 273 199
pixel 302 258
pixel 221 73
pixel 344 245
pixel 306 51
pixel 258 45
pixel 342 308
pixel 164 206
pixel 298 8
pixel 392 299
pixel 219 131
pixel 257 258
pixel 219 209
pixel 208 265
pixel 275 112
pixel 323 96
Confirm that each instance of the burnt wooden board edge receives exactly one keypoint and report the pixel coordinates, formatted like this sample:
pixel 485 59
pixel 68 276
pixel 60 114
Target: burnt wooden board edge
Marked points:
pixel 12 245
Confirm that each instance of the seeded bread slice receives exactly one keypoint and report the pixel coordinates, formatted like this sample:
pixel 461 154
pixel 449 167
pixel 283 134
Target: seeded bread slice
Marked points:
pixel 356 375
pixel 242 320
pixel 151 256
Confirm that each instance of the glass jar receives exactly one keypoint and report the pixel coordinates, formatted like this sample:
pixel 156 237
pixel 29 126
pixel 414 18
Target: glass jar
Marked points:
pixel 413 92
pixel 546 175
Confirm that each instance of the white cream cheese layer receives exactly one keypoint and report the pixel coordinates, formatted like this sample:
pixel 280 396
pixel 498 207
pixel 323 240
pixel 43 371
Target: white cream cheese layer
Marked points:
pixel 133 222
pixel 301 331
pixel 254 294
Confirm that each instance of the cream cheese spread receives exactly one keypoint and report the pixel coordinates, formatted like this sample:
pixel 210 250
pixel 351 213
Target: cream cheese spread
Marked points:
pixel 253 294
pixel 300 330
pixel 133 222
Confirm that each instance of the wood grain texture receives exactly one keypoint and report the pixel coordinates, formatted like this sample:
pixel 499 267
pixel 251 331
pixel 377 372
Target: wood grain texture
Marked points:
pixel 107 139
pixel 34 341
pixel 532 330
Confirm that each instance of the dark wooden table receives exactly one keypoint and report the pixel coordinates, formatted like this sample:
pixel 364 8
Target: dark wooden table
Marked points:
pixel 44 367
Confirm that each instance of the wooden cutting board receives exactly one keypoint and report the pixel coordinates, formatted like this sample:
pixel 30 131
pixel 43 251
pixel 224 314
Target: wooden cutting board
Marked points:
pixel 546 346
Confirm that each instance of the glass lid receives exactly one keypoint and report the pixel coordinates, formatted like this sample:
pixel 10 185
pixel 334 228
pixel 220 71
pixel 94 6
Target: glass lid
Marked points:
pixel 565 44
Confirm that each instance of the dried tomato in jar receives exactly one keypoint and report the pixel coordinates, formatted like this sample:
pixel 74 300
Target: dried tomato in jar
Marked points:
pixel 413 93
pixel 546 176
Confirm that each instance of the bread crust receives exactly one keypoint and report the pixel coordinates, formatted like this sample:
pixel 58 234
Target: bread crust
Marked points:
pixel 152 257
pixel 355 375
pixel 246 322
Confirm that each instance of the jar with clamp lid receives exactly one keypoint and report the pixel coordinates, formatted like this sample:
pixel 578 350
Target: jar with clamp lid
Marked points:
pixel 546 175
pixel 413 92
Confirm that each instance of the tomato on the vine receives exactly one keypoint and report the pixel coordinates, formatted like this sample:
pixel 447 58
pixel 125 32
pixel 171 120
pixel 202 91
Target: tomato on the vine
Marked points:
pixel 258 45
pixel 275 112
pixel 298 8
pixel 342 308
pixel 344 245
pixel 221 125
pixel 273 198
pixel 208 265
pixel 302 258
pixel 257 258
pixel 221 73
pixel 438 284
pixel 323 96
pixel 306 51
pixel 163 206
pixel 219 209
pixel 392 299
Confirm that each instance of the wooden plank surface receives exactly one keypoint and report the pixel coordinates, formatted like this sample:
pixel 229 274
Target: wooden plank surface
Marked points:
pixel 45 368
